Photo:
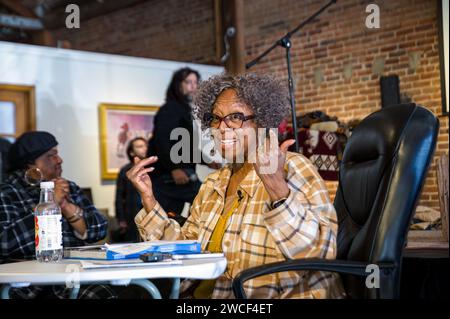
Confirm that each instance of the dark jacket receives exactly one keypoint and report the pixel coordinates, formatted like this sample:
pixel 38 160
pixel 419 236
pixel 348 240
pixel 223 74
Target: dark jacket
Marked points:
pixel 171 115
pixel 4 148
pixel 128 202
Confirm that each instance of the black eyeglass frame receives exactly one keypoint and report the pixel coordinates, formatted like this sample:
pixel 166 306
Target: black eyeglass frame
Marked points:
pixel 209 117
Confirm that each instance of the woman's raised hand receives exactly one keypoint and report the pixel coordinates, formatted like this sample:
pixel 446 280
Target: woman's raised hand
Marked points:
pixel 138 175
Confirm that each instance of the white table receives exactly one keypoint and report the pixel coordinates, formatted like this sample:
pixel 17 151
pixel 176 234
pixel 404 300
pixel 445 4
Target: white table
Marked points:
pixel 26 273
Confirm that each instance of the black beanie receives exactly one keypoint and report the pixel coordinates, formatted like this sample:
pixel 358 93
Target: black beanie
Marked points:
pixel 28 147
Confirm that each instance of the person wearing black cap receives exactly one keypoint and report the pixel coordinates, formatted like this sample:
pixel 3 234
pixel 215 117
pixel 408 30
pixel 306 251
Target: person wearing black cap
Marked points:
pixel 4 147
pixel 81 223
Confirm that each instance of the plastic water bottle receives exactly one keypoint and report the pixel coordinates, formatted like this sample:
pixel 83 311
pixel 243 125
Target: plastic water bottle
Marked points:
pixel 48 226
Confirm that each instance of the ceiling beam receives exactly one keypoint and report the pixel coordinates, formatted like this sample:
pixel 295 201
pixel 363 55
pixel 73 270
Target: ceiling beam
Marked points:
pixel 18 8
pixel 44 7
pixel 18 22
pixel 56 18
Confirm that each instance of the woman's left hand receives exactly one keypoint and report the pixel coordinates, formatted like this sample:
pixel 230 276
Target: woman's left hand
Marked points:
pixel 269 165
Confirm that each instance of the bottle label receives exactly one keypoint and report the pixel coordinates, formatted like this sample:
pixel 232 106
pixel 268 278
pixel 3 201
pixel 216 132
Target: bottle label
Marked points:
pixel 48 232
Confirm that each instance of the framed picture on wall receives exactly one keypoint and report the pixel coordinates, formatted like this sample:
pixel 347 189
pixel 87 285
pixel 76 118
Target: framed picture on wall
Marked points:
pixel 119 124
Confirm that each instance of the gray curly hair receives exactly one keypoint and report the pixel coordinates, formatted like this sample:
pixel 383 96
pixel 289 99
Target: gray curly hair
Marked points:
pixel 266 95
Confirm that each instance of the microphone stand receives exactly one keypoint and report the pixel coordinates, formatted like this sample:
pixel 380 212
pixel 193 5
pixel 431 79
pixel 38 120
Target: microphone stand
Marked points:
pixel 285 42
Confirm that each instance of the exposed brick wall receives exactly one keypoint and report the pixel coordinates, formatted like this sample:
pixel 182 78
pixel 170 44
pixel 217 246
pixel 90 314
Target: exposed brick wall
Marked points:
pixel 184 31
pixel 162 29
pixel 338 38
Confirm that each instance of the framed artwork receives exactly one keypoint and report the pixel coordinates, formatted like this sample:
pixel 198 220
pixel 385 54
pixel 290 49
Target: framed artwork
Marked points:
pixel 119 124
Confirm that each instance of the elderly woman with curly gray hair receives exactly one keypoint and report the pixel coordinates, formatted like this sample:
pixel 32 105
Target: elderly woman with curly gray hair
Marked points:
pixel 253 215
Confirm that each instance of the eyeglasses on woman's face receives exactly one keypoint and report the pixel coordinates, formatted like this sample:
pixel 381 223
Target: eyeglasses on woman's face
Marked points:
pixel 233 120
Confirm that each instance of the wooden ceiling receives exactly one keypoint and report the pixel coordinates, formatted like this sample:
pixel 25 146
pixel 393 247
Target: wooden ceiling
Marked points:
pixel 31 21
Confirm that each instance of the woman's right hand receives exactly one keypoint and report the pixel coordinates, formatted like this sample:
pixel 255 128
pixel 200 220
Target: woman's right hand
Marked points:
pixel 138 175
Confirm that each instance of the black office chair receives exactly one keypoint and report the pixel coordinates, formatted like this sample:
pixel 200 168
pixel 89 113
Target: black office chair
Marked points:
pixel 381 176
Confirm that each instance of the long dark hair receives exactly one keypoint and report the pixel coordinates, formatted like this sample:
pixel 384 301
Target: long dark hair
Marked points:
pixel 174 90
pixel 130 147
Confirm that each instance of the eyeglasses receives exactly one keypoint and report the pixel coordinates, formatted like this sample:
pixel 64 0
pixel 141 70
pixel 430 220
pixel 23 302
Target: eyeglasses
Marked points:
pixel 233 120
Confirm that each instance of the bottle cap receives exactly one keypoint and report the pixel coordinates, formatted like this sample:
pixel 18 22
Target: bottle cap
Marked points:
pixel 47 185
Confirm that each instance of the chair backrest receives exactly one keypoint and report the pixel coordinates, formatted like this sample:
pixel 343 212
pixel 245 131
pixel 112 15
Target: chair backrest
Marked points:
pixel 383 169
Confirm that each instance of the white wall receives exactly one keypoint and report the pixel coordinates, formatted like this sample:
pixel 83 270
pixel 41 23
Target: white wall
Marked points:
pixel 69 87
pixel 445 36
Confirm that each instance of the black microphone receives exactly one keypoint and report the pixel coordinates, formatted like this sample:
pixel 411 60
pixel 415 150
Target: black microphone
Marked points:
pixel 240 196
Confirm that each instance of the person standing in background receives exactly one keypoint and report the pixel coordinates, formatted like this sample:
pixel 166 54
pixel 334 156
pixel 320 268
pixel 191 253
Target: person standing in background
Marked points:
pixel 128 201
pixel 175 183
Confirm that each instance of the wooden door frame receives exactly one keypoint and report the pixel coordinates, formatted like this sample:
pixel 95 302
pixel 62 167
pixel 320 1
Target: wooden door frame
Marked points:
pixel 30 92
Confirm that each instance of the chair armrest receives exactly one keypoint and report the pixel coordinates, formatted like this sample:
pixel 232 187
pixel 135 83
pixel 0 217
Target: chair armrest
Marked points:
pixel 338 266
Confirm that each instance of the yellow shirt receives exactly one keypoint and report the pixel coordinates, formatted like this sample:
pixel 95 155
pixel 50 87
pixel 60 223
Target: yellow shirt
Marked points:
pixel 206 287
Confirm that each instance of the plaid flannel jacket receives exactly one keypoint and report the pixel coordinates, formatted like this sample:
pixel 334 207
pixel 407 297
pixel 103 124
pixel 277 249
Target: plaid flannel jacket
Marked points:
pixel 304 226
pixel 17 203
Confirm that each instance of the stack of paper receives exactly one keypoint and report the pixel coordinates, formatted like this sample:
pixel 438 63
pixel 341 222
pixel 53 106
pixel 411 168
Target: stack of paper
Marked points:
pixel 130 251
pixel 95 264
